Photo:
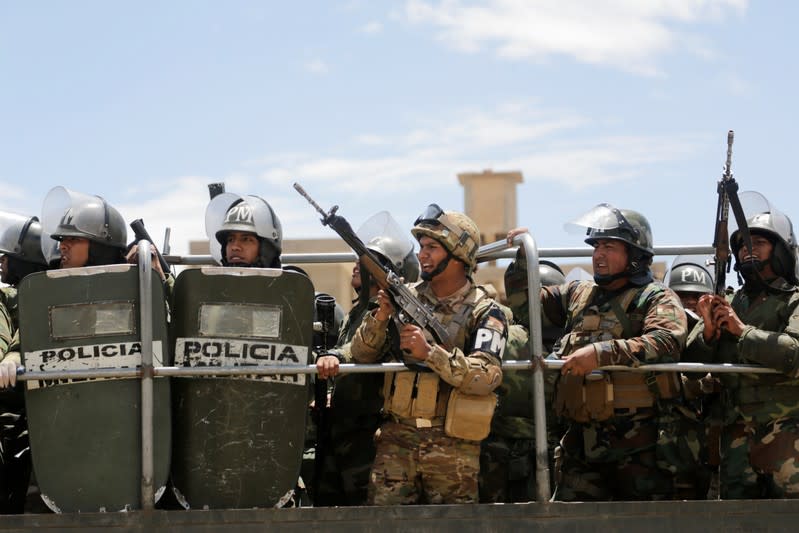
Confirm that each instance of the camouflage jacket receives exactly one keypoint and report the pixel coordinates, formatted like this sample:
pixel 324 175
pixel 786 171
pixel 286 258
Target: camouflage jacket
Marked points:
pixel 656 318
pixel 468 352
pixel 9 338
pixel 771 339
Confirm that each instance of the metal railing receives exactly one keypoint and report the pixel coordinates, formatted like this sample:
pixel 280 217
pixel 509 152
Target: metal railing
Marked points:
pixel 147 372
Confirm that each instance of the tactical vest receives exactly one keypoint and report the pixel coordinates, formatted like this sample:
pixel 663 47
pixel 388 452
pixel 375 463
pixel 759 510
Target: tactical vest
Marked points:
pixel 421 399
pixel 601 395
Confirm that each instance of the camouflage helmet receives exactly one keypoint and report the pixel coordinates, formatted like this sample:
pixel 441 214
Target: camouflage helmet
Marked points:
pixel 688 274
pixel 777 228
pixel 68 213
pixel 456 232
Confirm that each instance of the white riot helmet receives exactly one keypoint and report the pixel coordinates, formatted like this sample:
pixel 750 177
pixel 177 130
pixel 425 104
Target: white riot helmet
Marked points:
pixel 233 212
pixel 383 235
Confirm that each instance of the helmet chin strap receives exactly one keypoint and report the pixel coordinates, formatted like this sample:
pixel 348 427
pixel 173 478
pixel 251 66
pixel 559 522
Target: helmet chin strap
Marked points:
pixel 607 279
pixel 749 271
pixel 438 270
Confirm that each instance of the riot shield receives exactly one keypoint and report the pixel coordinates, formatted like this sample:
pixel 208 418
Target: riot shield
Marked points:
pixel 238 440
pixel 85 434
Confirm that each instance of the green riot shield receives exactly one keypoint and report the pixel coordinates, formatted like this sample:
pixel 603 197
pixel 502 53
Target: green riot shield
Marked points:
pixel 238 440
pixel 85 434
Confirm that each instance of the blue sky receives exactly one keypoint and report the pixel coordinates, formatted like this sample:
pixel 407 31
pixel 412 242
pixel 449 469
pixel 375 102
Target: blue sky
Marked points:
pixel 379 105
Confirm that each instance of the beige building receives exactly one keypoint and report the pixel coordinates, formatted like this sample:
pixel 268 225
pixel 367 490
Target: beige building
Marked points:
pixel 489 200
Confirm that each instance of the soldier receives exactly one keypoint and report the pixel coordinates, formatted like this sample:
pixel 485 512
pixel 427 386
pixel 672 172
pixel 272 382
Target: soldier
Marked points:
pixel 20 238
pixel 687 428
pixel 243 231
pixel 759 326
pixel 622 317
pixel 507 456
pixel 356 401
pixel 428 450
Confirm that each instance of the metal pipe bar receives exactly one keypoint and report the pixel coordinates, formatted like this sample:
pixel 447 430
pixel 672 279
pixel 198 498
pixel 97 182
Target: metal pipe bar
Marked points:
pixel 147 404
pixel 352 368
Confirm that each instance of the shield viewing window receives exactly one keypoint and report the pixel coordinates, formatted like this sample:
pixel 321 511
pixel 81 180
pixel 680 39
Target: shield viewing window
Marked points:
pixel 95 319
pixel 240 320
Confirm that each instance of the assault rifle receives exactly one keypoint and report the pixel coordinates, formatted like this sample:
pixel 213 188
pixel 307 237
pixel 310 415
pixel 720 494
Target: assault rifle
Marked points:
pixel 141 233
pixel 410 309
pixel 728 197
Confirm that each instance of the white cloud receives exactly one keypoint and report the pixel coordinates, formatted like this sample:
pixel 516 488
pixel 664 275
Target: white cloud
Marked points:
pixel 372 27
pixel 317 66
pixel 627 34
pixel 414 168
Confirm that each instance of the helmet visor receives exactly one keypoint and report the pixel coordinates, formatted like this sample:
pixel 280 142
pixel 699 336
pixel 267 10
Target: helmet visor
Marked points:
pixel 602 218
pixel 430 215
pixel 382 234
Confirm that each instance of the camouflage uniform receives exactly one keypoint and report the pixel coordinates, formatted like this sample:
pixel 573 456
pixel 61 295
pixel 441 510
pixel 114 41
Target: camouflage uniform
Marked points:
pixel 760 437
pixel 15 460
pixel 354 419
pixel 507 455
pixel 416 461
pixel 615 458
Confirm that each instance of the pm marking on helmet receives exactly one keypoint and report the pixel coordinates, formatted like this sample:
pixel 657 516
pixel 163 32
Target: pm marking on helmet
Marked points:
pixel 693 275
pixel 241 213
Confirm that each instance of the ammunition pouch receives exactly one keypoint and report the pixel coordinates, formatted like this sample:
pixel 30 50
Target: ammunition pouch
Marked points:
pixel 597 400
pixel 413 395
pixel 468 416
pixel 584 401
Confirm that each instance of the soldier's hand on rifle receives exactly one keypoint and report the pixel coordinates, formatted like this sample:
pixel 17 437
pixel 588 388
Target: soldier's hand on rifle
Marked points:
pixel 385 309
pixel 412 340
pixel 725 316
pixel 133 258
pixel 327 366
pixel 581 362
pixel 704 308
pixel 8 374
pixel 515 231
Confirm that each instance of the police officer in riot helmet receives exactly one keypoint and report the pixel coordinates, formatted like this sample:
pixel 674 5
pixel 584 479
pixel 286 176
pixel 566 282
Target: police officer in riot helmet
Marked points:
pixel 90 231
pixel 690 280
pixel 249 235
pixel 760 326
pixel 20 244
pixel 621 317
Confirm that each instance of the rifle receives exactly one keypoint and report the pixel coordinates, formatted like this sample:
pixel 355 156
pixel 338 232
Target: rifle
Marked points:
pixel 727 189
pixel 141 233
pixel 410 309
pixel 325 309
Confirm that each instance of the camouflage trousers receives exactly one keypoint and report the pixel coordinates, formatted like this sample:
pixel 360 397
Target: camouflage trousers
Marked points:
pixel 682 451
pixel 347 461
pixel 611 460
pixel 507 470
pixel 423 465
pixel 760 460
